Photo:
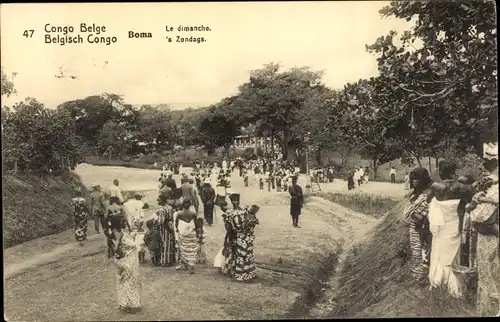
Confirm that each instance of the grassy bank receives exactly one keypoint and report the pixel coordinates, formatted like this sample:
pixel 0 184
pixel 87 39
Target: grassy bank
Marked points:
pixel 36 206
pixel 371 205
pixel 375 280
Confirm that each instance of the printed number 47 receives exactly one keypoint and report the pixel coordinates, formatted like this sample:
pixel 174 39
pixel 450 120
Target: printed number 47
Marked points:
pixel 28 33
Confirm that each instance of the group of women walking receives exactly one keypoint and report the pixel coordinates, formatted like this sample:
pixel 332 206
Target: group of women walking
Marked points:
pixel 451 223
pixel 174 236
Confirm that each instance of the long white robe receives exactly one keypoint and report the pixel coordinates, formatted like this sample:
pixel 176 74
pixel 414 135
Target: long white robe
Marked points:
pixel 443 221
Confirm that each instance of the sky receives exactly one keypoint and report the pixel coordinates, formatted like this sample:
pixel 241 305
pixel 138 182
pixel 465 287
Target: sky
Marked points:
pixel 328 36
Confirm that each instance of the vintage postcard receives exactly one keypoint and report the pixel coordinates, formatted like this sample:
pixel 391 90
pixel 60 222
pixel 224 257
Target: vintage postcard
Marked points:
pixel 249 160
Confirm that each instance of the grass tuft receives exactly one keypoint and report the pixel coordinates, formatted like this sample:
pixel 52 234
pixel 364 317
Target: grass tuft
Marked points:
pixel 375 206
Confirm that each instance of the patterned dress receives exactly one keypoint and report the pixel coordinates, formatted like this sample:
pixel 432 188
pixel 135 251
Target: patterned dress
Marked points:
pixel 128 275
pixel 420 238
pixel 165 225
pixel 80 213
pixel 240 260
pixel 188 243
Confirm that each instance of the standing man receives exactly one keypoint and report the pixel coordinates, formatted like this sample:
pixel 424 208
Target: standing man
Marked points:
pixel 207 195
pixel 296 201
pixel 170 182
pixel 98 208
pixel 115 191
pixel 393 175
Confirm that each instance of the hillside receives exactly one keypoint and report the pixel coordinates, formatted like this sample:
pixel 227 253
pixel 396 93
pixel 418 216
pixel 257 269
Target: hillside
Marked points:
pixel 375 281
pixel 36 206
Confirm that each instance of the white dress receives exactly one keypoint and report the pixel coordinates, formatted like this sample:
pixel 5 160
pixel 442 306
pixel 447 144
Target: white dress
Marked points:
pixel 443 222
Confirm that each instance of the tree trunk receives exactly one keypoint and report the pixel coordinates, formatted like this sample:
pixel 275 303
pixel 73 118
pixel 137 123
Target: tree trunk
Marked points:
pixel 317 154
pixel 418 161
pixel 272 143
pixel 437 165
pixel 286 139
pixel 109 155
pixel 265 143
pixel 15 167
pixel 226 150
pixel 375 167
pixel 430 167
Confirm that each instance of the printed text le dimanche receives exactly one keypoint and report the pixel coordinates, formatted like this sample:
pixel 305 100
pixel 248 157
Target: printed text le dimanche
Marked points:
pixel 89 33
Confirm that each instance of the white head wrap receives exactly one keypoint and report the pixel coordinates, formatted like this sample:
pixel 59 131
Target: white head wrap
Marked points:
pixel 490 150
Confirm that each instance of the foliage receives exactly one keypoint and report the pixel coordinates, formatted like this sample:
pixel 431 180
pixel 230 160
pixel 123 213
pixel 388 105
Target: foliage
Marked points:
pixel 7 85
pixel 277 101
pixel 453 73
pixel 38 139
pixel 219 127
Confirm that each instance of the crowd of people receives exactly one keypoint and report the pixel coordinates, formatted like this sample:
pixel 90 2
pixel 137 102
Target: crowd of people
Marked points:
pixel 448 220
pixel 451 221
pixel 174 234
pixel 357 176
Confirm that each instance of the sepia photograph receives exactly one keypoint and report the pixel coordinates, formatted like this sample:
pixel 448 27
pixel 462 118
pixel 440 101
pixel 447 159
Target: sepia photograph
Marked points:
pixel 181 161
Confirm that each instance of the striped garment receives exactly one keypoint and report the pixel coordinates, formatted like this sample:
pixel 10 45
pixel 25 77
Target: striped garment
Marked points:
pixel 188 243
pixel 419 237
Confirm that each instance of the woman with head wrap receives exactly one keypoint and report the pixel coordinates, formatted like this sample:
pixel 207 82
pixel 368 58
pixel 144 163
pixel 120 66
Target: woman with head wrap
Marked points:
pixel 238 249
pixel 164 219
pixel 420 236
pixel 126 259
pixel 80 215
pixel 187 236
pixel 485 231
pixel 114 214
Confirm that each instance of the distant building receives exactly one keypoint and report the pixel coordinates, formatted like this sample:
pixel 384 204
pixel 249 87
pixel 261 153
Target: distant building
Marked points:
pixel 246 141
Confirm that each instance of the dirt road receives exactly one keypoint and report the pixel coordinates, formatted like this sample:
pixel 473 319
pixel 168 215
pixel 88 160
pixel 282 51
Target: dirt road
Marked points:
pixel 52 278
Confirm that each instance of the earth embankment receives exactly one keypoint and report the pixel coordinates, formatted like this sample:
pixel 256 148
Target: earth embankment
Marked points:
pixel 36 206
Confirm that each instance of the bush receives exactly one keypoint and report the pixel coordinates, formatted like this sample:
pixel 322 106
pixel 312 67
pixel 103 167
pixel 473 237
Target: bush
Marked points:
pixel 148 159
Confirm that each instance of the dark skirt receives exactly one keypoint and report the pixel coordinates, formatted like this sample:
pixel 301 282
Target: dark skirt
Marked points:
pixel 295 208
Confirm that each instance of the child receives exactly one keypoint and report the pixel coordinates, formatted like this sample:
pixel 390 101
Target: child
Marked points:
pixel 139 240
pixel 261 183
pixel 278 182
pixel 152 241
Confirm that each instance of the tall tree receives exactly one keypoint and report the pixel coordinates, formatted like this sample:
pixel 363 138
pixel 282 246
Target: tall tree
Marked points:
pixel 276 100
pixel 454 69
pixel 219 127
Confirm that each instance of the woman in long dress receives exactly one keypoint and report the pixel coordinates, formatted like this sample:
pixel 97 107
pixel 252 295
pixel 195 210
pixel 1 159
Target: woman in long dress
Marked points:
pixel 164 219
pixel 187 237
pixel 484 216
pixel 80 214
pixel 126 259
pixel 420 237
pixel 239 254
pixel 445 198
pixel 115 208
